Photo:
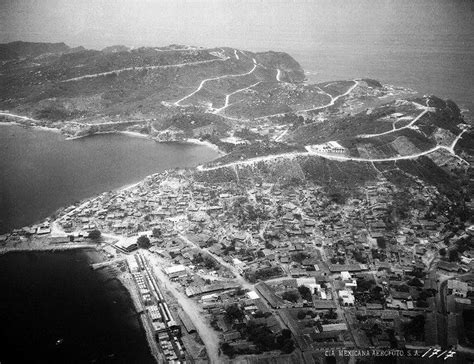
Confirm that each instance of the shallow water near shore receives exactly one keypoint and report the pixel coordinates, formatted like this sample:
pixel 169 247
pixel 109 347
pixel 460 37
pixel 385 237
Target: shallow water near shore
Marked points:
pixel 41 171
pixel 48 297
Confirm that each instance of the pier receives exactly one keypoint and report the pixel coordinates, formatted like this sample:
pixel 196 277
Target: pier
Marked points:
pixel 107 263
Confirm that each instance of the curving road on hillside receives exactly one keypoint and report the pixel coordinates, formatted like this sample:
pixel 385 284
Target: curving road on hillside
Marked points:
pixel 227 97
pixel 408 126
pixel 118 71
pixel 203 82
pixel 334 99
pixel 341 158
pixel 330 103
pixel 278 76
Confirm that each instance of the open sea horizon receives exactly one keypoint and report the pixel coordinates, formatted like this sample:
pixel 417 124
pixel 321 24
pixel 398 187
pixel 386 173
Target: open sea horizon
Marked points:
pixel 431 64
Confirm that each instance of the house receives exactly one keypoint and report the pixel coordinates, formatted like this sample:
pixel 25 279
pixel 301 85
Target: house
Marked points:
pixel 448 266
pixel 231 336
pixel 457 288
pixel 175 271
pixel 400 295
pixel 253 295
pixel 127 245
pixel 330 147
pixel 43 230
pixel 334 327
pixel 320 292
pixel 337 268
pixel 346 276
pixel 347 297
pixel 210 298
pixel 59 239
pixel 308 282
pixel 324 304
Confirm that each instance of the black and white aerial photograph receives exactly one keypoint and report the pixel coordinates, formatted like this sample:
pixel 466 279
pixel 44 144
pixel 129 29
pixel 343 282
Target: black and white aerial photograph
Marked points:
pixel 236 181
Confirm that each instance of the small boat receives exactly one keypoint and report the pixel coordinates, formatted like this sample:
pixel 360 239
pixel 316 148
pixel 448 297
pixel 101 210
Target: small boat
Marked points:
pixel 59 341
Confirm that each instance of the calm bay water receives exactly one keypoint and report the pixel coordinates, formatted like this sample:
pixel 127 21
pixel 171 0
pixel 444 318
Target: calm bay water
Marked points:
pixel 40 171
pixel 52 296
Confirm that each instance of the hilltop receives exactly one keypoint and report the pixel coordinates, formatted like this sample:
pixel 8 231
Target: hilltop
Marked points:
pixel 255 106
pixel 53 82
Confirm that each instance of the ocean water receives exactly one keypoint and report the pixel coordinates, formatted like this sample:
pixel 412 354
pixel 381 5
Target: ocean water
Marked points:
pixel 48 297
pixel 40 171
pixel 432 64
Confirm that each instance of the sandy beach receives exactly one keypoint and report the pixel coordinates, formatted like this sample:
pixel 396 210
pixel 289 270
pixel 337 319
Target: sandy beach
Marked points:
pixel 205 143
pixel 53 130
pixel 129 133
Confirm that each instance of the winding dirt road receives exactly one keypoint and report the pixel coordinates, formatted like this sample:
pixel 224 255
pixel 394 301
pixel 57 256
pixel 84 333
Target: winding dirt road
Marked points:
pixel 332 102
pixel 341 158
pixel 278 76
pixel 203 82
pixel 227 97
pixel 118 71
pixel 334 99
pixel 409 126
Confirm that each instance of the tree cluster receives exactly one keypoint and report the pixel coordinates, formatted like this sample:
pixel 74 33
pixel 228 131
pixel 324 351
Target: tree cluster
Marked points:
pixel 305 293
pixel 292 296
pixel 234 312
pixel 94 234
pixel 143 242
pixel 266 340
pixel 206 261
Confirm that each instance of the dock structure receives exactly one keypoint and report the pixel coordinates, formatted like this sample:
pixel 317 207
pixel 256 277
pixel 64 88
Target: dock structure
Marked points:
pixel 107 263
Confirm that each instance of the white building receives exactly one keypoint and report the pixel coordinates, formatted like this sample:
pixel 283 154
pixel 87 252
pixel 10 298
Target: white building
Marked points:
pixel 458 288
pixel 252 295
pixel 345 276
pixel 175 271
pixel 347 297
pixel 209 297
pixel 329 147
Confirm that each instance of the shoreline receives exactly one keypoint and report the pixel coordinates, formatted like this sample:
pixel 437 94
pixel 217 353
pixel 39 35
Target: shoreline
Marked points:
pixel 27 126
pixel 131 289
pixel 206 144
pixel 47 248
pixel 133 134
